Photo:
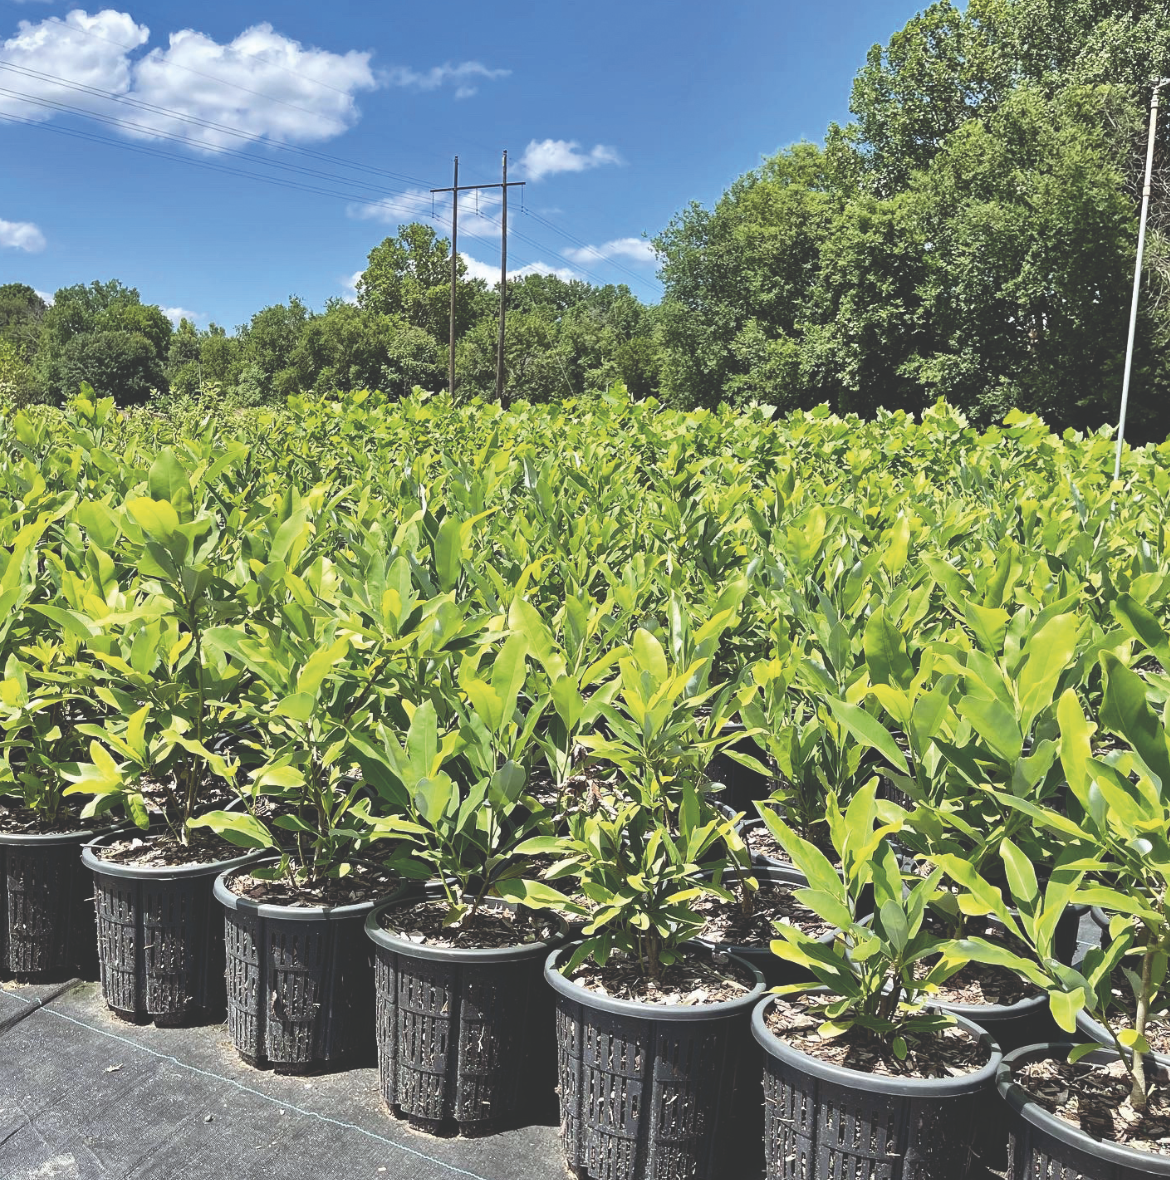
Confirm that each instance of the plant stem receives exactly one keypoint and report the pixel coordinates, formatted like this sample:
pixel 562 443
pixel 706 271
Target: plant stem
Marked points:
pixel 1139 1095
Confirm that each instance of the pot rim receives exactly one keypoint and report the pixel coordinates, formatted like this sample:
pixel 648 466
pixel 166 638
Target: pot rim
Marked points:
pixel 52 839
pixel 387 940
pixel 772 873
pixel 724 1010
pixel 1097 1032
pixel 843 1075
pixel 158 872
pixel 1026 1107
pixel 287 913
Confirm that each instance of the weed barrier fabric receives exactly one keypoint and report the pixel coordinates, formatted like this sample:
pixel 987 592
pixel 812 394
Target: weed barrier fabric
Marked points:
pixel 86 1097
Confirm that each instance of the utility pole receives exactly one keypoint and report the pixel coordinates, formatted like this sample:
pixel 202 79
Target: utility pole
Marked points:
pixel 1137 274
pixel 455 189
pixel 503 283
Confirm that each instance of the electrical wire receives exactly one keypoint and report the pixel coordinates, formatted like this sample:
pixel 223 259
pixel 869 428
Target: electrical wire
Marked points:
pixel 156 133
pixel 159 153
pixel 556 253
pixel 584 245
pixel 244 89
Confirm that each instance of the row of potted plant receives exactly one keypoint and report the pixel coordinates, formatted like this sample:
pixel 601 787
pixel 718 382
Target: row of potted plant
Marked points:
pixel 637 858
pixel 363 674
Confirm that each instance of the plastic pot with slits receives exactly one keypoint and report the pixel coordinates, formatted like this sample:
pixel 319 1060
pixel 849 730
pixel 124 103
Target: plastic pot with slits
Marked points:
pixel 465 1034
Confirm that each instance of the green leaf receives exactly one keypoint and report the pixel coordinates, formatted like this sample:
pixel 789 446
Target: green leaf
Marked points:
pixel 167 481
pixel 1132 1039
pixel 886 656
pixel 1065 1006
pixel 649 655
pixel 235 827
pixel 535 894
pixel 1142 625
pixel 432 796
pixel 870 732
pixel 995 724
pixel 1050 650
pixel 1125 711
pixel 1020 873
pixel 449 553
pixel 299 706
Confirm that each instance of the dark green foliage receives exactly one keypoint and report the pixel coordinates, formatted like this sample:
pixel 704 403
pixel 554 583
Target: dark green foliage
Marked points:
pixel 118 364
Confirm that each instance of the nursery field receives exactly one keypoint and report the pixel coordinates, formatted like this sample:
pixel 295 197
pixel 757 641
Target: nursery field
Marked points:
pixel 877 706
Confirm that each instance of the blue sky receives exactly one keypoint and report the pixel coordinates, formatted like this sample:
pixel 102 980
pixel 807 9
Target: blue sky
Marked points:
pixel 616 114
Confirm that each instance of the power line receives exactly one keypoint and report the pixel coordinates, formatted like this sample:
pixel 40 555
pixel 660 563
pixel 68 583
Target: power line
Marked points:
pixel 244 89
pixel 212 77
pixel 158 153
pixel 178 115
pixel 564 258
pixel 584 245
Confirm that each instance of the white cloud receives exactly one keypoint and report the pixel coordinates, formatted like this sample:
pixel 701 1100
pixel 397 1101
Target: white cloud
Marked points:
pixel 635 249
pixel 412 205
pixel 546 157
pixel 46 296
pixel 61 47
pixel 22 235
pixel 262 82
pixel 349 286
pixel 491 274
pixel 479 212
pixel 175 314
pixel 465 77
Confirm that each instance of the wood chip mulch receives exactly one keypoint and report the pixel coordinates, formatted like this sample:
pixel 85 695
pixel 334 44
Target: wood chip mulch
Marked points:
pixel 18 820
pixel 951 1053
pixel 762 843
pixel 728 925
pixel 1125 1013
pixel 422 922
pixel 981 983
pixel 360 885
pixel 162 850
pixel 694 979
pixel 1095 1099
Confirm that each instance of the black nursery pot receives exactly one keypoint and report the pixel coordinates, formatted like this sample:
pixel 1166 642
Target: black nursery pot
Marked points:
pixel 649 1091
pixel 160 942
pixel 465 1035
pixel 827 1120
pixel 1042 1146
pixel 46 902
pixel 300 981
pixel 775 969
pixel 741 786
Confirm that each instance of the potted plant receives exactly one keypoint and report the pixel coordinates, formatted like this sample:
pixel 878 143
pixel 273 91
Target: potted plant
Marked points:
pixel 47 905
pixel 299 972
pixel 860 1072
pixel 672 1020
pixel 160 946
pixel 462 1012
pixel 1111 996
pixel 979 724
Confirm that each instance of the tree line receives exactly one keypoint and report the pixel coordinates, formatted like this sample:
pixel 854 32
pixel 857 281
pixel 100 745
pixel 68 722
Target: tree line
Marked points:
pixel 969 234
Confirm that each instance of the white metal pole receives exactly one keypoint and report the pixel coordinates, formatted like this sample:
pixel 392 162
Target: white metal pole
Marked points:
pixel 1137 273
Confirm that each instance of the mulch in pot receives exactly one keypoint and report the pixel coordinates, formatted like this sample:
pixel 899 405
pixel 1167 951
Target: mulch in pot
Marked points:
pixel 1095 1099
pixel 422 923
pixel 164 851
pixel 952 1052
pixel 1124 1013
pixel 728 925
pixel 363 883
pixel 694 979
pixel 18 820
pixel 980 983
